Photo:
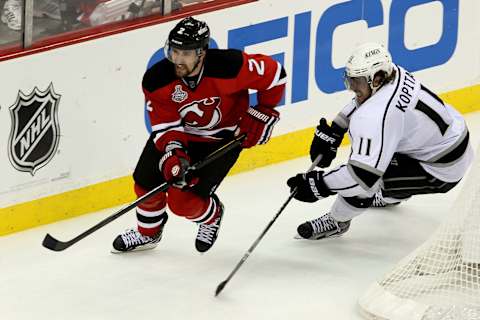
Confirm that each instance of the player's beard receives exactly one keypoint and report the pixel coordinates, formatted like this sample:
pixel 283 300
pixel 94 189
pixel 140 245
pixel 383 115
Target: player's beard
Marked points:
pixel 182 70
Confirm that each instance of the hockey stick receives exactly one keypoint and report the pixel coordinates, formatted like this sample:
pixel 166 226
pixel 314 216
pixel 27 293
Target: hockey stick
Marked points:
pixel 51 243
pixel 254 245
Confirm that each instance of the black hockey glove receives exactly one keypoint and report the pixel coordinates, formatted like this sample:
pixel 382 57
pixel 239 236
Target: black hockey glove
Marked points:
pixel 310 186
pixel 325 142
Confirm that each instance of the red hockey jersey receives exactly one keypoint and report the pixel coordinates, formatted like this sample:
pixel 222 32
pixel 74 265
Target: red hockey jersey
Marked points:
pixel 212 110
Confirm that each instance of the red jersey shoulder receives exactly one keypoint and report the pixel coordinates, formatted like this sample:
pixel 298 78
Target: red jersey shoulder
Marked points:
pixel 160 75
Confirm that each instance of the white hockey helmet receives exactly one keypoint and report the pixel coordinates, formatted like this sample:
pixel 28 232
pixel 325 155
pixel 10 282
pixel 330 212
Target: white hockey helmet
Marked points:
pixel 366 60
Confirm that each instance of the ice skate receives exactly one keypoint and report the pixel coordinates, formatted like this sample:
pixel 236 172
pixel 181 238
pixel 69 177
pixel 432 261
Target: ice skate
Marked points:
pixel 324 227
pixel 132 240
pixel 207 233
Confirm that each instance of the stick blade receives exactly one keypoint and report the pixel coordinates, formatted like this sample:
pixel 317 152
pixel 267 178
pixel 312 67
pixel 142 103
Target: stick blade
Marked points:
pixel 53 244
pixel 220 287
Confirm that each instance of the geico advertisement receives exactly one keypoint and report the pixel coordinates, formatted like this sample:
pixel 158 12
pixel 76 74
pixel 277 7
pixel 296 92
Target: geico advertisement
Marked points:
pixel 75 116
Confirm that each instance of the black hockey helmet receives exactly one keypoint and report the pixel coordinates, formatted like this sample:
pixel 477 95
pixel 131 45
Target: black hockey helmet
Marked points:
pixel 189 34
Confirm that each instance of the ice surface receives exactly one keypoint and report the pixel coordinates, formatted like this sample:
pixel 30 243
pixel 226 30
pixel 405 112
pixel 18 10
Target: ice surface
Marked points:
pixel 283 278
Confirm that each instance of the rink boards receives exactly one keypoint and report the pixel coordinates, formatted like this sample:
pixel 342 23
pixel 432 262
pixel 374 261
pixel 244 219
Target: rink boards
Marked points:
pixel 72 119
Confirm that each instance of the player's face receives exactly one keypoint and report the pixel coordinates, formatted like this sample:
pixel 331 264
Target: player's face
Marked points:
pixel 360 86
pixel 186 61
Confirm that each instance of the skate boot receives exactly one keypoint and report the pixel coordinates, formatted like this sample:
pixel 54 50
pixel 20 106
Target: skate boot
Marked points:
pixel 324 227
pixel 207 233
pixel 133 240
pixel 380 202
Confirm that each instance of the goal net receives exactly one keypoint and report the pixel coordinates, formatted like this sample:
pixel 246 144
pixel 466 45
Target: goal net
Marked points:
pixel 441 278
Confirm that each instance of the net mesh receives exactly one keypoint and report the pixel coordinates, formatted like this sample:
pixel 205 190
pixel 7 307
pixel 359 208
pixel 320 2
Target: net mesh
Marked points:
pixel 440 280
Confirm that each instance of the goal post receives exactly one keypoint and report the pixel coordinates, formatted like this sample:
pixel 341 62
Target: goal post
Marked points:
pixel 441 278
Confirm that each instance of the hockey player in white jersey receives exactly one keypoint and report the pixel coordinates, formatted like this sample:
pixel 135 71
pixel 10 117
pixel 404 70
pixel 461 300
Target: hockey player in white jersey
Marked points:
pixel 404 141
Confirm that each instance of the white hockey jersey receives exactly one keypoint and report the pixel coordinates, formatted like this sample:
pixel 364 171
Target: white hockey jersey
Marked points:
pixel 401 117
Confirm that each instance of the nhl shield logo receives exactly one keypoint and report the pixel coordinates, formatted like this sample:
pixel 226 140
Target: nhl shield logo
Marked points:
pixel 35 130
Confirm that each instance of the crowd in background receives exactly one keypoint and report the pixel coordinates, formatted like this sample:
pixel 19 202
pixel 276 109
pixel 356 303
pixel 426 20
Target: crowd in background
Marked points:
pixel 51 17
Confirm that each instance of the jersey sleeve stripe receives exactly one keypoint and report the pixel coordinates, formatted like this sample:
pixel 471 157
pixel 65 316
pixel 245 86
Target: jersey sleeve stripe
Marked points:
pixel 345 188
pixel 365 167
pixel 454 152
pixel 342 120
pixel 279 78
pixel 368 178
pixel 226 131
pixel 357 179
pixel 364 175
pixel 166 126
pixel 159 134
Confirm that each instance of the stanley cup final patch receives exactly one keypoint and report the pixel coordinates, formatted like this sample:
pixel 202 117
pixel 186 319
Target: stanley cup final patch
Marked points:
pixel 179 95
pixel 35 131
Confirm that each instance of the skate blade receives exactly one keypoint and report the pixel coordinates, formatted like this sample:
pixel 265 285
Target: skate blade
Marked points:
pixel 142 248
pixel 298 237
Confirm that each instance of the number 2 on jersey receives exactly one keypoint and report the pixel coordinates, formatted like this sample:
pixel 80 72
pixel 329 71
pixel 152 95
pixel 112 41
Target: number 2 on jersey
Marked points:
pixel 259 67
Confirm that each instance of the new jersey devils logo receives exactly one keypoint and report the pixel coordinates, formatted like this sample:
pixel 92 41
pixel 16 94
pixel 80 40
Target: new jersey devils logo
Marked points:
pixel 202 114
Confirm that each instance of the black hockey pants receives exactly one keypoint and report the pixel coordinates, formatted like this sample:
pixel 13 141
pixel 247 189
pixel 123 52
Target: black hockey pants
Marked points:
pixel 405 177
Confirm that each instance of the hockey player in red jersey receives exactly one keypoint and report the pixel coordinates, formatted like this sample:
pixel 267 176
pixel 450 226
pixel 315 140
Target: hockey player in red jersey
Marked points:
pixel 405 141
pixel 198 100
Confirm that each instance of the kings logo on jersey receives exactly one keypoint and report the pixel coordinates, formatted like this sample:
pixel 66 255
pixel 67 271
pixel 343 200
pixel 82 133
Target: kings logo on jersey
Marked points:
pixel 35 129
pixel 202 114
